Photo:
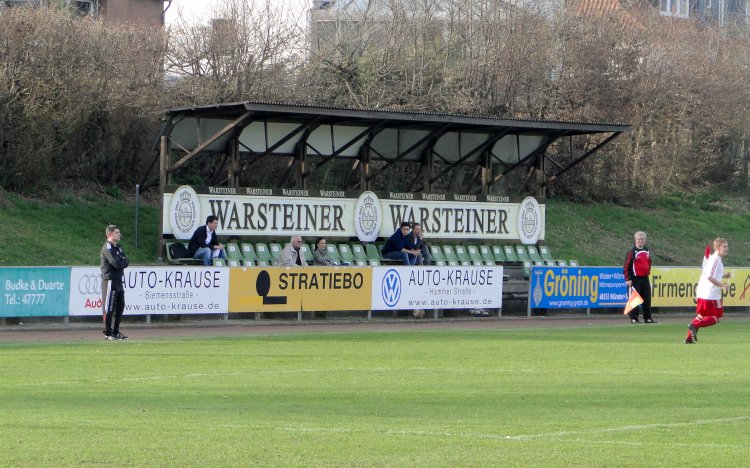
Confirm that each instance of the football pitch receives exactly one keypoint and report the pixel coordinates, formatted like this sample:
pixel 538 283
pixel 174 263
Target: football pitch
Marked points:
pixel 583 396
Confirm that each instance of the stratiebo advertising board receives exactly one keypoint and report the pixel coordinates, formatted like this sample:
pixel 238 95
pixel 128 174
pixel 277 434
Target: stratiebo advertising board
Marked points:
pixel 154 290
pixel 309 289
pixel 449 287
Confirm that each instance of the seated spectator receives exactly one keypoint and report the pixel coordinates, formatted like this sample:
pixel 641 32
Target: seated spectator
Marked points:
pixel 416 242
pixel 320 254
pixel 397 246
pixel 205 243
pixel 291 255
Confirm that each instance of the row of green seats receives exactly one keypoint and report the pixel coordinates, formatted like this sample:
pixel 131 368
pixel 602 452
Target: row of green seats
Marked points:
pixel 262 254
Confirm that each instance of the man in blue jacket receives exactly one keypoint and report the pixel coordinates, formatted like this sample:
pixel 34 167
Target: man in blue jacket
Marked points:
pixel 397 247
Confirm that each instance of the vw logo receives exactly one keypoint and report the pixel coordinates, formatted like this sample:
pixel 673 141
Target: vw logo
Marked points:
pixel 90 284
pixel 391 288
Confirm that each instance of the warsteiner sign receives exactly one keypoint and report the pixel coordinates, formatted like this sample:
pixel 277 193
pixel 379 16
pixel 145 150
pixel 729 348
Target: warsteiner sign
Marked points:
pixel 365 215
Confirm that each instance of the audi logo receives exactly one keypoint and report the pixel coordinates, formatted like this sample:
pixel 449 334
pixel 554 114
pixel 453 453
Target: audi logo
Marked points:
pixel 90 284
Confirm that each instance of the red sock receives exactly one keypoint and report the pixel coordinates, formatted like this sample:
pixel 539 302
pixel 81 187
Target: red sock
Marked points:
pixel 704 322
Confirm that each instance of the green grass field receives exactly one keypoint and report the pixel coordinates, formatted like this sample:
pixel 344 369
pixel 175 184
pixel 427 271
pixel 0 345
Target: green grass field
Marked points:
pixel 585 396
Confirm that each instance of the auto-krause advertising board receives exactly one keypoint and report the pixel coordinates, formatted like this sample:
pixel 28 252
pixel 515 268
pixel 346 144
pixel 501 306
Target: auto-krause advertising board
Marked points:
pixel 309 289
pixel 450 287
pixel 154 290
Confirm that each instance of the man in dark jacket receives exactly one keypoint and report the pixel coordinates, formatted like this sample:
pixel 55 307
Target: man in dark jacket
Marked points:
pixel 112 264
pixel 637 270
pixel 397 246
pixel 204 244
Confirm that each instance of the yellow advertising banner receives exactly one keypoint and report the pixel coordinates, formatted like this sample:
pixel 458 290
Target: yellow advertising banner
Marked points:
pixel 675 287
pixel 309 289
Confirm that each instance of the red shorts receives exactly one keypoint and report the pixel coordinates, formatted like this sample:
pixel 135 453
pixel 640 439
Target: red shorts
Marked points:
pixel 709 308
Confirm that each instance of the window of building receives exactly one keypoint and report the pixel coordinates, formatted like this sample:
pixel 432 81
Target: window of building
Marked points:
pixel 676 8
pixel 83 7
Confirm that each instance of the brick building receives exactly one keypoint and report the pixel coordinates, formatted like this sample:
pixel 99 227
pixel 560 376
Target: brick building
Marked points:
pixel 137 12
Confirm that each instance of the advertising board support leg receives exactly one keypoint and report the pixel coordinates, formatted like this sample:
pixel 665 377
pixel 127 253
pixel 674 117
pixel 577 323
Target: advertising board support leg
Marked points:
pixel 148 319
pixel 299 316
pixel 369 315
pixel 225 317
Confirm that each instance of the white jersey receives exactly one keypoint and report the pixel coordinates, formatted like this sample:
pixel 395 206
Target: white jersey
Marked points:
pixel 712 268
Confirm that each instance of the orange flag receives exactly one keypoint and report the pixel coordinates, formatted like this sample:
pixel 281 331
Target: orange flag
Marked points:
pixel 634 301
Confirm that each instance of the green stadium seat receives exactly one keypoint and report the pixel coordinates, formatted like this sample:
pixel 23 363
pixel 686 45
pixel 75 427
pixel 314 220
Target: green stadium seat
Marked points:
pixel 262 254
pixel 264 263
pixel 358 251
pixel 437 255
pixel 219 262
pixel 562 263
pixel 333 252
pixel 347 256
pixel 534 254
pixel 275 248
pixel 474 255
pixel 545 253
pixel 510 254
pixel 248 251
pixel 360 263
pixel 307 253
pixel 522 254
pixel 248 263
pixel 499 254
pixel 573 263
pixel 550 263
pixel 539 263
pixel 450 255
pixel 374 262
pixel 233 251
pixel 373 252
pixel 462 254
pixel 486 253
pixel 233 262
pixel 181 261
pixel 526 269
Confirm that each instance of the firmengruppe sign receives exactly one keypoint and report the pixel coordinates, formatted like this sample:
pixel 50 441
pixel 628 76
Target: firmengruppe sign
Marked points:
pixel 362 215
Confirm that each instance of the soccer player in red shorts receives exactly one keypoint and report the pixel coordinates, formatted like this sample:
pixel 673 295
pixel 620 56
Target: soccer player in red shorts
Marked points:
pixel 709 308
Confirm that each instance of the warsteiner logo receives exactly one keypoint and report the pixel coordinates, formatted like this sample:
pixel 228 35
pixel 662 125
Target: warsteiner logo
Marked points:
pixel 530 221
pixel 184 212
pixel 368 217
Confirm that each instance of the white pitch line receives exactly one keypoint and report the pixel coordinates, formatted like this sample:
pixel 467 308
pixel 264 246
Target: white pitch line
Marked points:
pixel 525 437
pixel 638 427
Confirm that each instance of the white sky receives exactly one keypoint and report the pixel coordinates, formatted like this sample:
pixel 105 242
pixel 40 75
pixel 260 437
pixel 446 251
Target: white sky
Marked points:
pixel 200 10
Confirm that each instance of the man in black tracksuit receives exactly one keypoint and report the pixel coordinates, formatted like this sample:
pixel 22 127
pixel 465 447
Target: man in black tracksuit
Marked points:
pixel 637 270
pixel 113 264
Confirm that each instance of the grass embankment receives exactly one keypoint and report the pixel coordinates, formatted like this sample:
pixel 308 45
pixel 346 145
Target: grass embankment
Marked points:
pixel 69 230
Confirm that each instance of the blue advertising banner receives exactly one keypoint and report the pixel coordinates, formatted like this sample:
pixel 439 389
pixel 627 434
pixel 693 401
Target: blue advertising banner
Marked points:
pixel 34 291
pixel 576 287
